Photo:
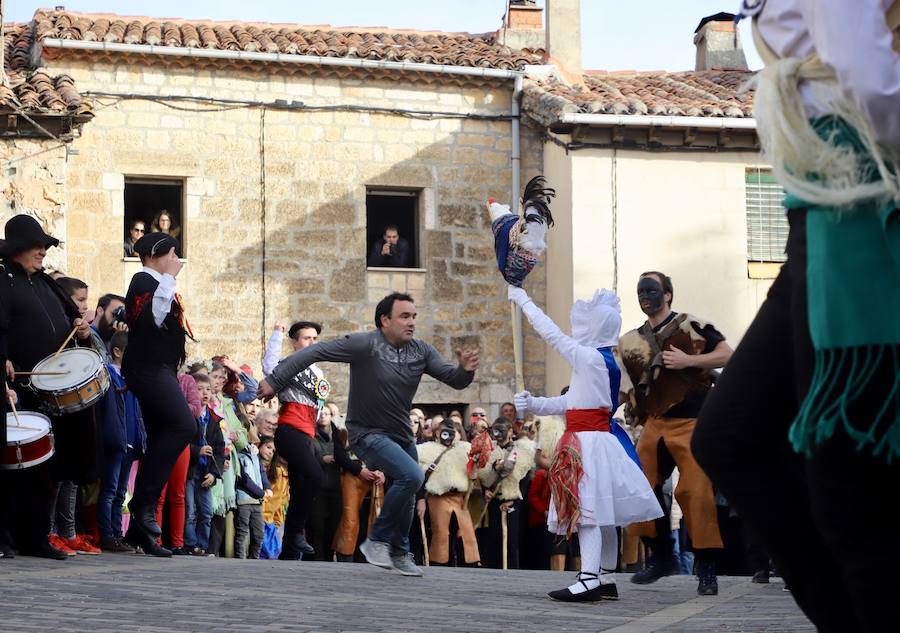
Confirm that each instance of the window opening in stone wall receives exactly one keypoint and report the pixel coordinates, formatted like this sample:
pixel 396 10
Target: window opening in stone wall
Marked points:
pixel 767 226
pixel 393 215
pixel 147 203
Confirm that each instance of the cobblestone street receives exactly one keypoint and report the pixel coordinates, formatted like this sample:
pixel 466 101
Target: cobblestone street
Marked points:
pixel 117 593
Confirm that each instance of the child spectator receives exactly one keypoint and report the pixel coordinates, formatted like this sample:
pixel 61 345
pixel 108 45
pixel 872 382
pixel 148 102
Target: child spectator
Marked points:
pixel 252 488
pixel 124 441
pixel 326 510
pixel 62 515
pixel 207 459
pixel 274 507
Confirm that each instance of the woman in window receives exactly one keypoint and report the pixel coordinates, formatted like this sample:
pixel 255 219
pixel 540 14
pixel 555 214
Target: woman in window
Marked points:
pixel 164 223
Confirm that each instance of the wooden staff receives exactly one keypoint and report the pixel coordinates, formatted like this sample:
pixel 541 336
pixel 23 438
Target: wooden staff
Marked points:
pixel 504 528
pixel 66 342
pixel 424 540
pixel 516 318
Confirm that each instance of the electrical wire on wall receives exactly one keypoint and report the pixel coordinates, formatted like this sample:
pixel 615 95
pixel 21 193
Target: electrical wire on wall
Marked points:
pixel 214 104
pixel 615 230
pixel 263 214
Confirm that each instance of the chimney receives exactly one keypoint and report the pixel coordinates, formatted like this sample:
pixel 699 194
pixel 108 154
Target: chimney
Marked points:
pixel 718 44
pixel 564 37
pixel 523 26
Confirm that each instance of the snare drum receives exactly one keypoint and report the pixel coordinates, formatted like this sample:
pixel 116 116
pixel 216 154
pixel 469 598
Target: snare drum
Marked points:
pixel 29 440
pixel 73 380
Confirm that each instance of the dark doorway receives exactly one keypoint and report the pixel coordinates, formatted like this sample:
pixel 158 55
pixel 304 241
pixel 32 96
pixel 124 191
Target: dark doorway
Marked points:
pixel 398 208
pixel 147 198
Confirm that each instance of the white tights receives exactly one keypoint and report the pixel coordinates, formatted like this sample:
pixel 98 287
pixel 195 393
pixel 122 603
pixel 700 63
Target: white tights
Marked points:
pixel 599 553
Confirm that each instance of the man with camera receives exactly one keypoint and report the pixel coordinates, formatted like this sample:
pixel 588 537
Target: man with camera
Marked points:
pixel 109 318
pixel 391 251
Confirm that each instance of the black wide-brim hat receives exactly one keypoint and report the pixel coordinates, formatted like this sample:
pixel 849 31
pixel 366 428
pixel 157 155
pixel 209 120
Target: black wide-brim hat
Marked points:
pixel 23 232
pixel 156 244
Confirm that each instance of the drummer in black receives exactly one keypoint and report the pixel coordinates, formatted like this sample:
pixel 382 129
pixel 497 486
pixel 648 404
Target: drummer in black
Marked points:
pixel 157 330
pixel 41 316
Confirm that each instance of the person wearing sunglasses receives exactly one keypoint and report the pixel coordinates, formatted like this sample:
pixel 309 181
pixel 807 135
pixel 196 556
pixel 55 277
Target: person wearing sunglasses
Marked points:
pixel 136 232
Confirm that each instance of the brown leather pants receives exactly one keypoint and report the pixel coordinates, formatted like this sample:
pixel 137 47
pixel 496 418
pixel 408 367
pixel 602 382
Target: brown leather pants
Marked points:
pixel 694 490
pixel 353 491
pixel 441 509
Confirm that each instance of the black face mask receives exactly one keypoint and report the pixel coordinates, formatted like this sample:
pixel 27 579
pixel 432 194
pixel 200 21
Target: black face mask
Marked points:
pixel 446 437
pixel 650 295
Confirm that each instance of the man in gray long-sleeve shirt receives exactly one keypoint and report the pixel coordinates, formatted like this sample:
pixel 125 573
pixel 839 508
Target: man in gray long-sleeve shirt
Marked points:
pixel 385 369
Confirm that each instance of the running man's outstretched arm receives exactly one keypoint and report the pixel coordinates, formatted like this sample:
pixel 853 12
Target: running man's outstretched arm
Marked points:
pixel 342 350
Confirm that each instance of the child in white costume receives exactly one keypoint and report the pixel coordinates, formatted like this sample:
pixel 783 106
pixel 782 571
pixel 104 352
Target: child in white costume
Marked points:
pixel 596 486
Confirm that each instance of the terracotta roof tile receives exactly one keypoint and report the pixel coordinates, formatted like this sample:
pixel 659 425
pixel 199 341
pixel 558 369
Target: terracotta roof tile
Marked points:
pixel 33 91
pixel 457 49
pixel 711 93
pixel 40 94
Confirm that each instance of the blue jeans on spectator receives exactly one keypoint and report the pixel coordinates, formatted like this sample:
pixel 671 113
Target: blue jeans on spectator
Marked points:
pixel 684 557
pixel 198 513
pixel 400 464
pixel 113 488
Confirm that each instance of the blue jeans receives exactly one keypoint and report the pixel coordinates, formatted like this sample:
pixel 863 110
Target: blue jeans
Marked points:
pixel 113 487
pixel 400 464
pixel 198 513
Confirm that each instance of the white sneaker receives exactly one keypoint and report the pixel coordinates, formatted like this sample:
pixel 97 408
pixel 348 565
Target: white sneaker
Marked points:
pixel 378 554
pixel 405 565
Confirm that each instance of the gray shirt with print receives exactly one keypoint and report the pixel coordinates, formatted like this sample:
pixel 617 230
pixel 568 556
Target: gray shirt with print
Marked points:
pixel 383 379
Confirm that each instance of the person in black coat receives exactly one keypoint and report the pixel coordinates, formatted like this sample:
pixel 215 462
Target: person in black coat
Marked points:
pixel 41 317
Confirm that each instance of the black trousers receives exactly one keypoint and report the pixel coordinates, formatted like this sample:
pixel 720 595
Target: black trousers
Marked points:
pixel 170 427
pixel 304 477
pixel 822 519
pixel 324 518
pixel 495 528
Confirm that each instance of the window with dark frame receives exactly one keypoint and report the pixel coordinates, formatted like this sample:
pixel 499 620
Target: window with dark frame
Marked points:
pixel 392 208
pixel 147 200
pixel 767 226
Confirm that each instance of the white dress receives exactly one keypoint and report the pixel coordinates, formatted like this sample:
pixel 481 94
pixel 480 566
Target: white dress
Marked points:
pixel 613 490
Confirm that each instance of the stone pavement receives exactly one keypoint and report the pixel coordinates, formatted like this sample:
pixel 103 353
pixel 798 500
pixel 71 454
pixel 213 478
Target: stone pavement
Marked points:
pixel 126 593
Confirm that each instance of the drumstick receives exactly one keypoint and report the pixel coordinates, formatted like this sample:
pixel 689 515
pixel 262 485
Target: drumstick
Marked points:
pixel 66 342
pixel 41 373
pixel 15 413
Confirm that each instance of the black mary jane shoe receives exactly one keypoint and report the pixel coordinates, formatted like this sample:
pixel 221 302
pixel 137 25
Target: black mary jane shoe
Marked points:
pixel 137 538
pixel 589 595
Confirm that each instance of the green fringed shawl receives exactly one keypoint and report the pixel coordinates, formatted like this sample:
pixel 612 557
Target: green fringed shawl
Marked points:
pixel 853 287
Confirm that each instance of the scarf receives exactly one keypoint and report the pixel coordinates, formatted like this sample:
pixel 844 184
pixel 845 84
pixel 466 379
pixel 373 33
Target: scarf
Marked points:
pixel 853 278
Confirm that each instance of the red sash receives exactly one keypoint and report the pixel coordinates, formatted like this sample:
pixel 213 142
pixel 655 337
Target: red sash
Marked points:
pixel 567 469
pixel 580 420
pixel 299 416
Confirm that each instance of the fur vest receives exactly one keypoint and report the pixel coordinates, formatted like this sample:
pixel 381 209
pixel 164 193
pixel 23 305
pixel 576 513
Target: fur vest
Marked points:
pixel 508 490
pixel 450 474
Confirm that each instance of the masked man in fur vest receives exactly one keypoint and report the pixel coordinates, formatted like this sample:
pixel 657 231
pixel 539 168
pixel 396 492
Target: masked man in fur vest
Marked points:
pixel 509 463
pixel 443 462
pixel 668 361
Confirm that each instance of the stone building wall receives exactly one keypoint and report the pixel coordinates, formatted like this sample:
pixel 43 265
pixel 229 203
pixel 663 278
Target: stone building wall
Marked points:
pixel 275 206
pixel 33 181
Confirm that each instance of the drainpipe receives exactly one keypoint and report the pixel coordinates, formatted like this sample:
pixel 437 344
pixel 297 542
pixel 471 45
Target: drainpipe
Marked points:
pixel 516 164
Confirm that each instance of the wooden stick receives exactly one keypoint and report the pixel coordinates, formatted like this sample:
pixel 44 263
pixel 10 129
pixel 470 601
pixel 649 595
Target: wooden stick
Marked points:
pixel 15 413
pixel 424 541
pixel 41 373
pixel 516 319
pixel 505 530
pixel 66 342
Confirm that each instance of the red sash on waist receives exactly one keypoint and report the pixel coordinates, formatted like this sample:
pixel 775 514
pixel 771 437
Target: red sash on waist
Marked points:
pixel 299 416
pixel 579 420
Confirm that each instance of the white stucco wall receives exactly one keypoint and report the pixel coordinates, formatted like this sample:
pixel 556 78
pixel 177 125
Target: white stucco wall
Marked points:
pixel 623 212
